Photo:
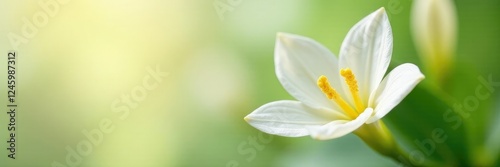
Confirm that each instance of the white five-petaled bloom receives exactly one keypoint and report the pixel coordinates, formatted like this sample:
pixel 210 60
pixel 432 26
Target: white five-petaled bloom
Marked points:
pixel 336 97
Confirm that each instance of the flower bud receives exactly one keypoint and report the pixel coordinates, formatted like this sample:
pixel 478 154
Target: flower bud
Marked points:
pixel 434 28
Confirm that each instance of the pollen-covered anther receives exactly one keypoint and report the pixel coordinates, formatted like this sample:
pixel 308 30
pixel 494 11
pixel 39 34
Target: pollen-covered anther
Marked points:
pixel 350 80
pixel 325 87
pixel 331 94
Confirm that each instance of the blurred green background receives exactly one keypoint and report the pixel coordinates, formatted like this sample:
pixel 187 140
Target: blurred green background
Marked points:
pixel 220 67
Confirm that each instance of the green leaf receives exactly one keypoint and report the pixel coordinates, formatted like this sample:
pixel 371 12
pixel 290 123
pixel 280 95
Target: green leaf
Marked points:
pixel 429 129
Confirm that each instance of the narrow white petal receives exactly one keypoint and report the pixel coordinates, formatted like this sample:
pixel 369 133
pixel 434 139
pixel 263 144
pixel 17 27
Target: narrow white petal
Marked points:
pixel 340 128
pixel 394 89
pixel 288 118
pixel 367 50
pixel 299 63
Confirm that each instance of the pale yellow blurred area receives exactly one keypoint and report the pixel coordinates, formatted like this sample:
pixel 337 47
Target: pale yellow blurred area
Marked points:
pixel 87 56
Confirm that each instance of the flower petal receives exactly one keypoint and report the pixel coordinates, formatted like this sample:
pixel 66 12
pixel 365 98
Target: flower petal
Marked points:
pixel 288 118
pixel 340 128
pixel 299 63
pixel 394 88
pixel 367 50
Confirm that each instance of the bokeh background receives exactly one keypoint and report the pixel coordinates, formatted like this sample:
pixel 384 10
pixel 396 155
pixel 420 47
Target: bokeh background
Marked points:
pixel 219 58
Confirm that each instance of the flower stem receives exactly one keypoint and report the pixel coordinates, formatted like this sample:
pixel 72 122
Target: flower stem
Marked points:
pixel 379 138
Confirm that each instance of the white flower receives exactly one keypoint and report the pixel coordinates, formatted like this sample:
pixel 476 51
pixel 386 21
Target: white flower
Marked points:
pixel 336 97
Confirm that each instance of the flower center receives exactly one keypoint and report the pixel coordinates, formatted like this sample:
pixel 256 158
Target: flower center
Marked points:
pixel 332 94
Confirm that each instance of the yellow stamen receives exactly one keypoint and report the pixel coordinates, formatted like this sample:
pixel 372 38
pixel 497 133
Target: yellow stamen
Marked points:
pixel 353 87
pixel 325 87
